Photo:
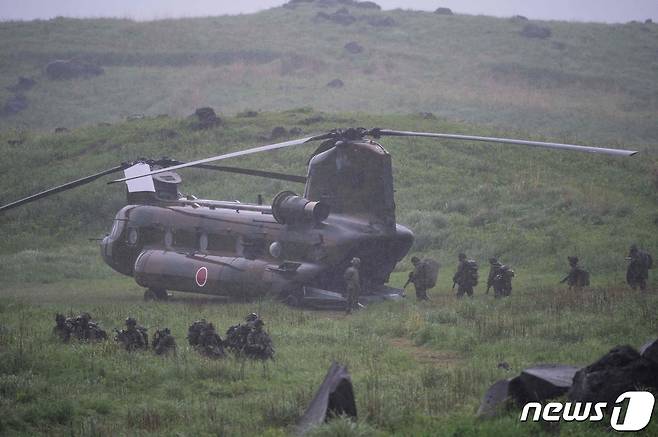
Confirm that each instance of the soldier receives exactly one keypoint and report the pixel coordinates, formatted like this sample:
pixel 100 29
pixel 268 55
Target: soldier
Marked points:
pixel 419 277
pixel 133 337
pixel 466 276
pixel 259 344
pixel 210 343
pixel 62 328
pixel 637 273
pixel 500 278
pixel 236 335
pixel 164 342
pixel 351 277
pixel 194 331
pixel 577 277
pixel 86 330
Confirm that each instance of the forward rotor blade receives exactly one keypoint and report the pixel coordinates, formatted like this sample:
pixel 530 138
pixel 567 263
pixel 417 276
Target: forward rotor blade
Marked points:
pixel 261 173
pixel 228 155
pixel 601 150
pixel 64 187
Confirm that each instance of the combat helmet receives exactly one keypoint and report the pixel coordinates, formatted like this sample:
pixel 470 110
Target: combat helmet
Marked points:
pixel 414 260
pixel 131 321
pixel 251 317
pixel 356 261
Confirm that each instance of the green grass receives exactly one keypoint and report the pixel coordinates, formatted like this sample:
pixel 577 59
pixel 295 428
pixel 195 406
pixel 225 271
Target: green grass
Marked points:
pixel 594 82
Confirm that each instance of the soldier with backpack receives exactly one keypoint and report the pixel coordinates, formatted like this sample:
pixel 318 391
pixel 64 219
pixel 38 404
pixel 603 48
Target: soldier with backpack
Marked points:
pixel 637 273
pixel 500 278
pixel 466 276
pixel 577 277
pixel 423 276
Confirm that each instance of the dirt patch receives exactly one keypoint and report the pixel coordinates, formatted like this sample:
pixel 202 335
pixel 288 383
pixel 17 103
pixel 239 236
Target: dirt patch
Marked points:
pixel 427 356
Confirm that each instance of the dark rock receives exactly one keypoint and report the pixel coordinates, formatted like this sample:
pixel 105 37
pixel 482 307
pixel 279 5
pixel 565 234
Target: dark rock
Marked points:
pixel 539 383
pixel 71 69
pixel 378 21
pixel 534 31
pixel 14 105
pixel 444 11
pixel 60 130
pixel 495 399
pixel 336 83
pixel 620 370
pixel 296 131
pixel 207 118
pixel 650 351
pixel 133 117
pixel 354 47
pixel 341 16
pixel 278 132
pixel 427 115
pixel 23 84
pixel 504 365
pixel 15 142
pixel 334 398
pixel 519 18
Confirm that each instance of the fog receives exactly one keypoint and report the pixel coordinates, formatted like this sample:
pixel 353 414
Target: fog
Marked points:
pixel 574 10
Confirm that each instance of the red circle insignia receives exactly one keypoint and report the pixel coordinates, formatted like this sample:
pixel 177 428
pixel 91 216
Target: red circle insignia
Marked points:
pixel 201 276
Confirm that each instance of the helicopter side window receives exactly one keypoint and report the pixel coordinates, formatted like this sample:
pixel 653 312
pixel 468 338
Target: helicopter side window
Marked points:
pixel 151 235
pixel 221 243
pixel 186 239
pixel 252 248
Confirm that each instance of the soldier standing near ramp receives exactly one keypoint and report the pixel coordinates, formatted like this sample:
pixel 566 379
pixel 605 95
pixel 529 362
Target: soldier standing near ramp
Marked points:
pixel 353 282
pixel 423 276
pixel 577 277
pixel 639 263
pixel 466 276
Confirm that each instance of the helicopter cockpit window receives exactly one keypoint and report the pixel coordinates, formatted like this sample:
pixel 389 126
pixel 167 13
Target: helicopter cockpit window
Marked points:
pixel 117 228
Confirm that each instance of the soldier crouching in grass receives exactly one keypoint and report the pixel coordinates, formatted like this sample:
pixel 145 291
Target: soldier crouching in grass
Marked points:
pixel 133 337
pixel 577 278
pixel 639 263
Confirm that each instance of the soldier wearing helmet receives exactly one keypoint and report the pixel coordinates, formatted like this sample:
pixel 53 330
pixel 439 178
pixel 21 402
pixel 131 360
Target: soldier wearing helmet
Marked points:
pixel 466 276
pixel 420 277
pixel 353 285
pixel 577 277
pixel 163 342
pixel 133 337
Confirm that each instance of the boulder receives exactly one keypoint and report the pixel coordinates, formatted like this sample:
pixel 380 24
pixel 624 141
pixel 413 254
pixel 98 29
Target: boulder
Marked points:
pixel 353 47
pixel 23 84
pixel 206 118
pixel 539 383
pixel 534 31
pixel 59 130
pixel 650 351
pixel 249 113
pixel 336 83
pixel 71 69
pixel 495 399
pixel 444 11
pixel 278 132
pixel 427 115
pixel 620 370
pixel 334 398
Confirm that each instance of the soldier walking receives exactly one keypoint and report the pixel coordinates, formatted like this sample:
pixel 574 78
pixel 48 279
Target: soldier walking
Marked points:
pixel 351 277
pixel 423 276
pixel 639 263
pixel 466 276
pixel 577 277
pixel 500 278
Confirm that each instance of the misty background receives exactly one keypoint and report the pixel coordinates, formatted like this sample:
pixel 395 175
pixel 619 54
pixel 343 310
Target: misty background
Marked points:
pixel 610 11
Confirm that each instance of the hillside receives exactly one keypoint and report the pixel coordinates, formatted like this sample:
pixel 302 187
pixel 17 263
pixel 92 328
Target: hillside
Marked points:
pixel 588 82
pixel 531 207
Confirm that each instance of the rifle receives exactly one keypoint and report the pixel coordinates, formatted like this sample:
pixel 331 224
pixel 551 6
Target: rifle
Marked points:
pixel 453 286
pixel 488 287
pixel 409 281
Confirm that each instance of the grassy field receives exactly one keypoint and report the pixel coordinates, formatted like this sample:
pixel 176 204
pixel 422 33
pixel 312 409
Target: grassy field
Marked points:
pixel 595 82
pixel 417 369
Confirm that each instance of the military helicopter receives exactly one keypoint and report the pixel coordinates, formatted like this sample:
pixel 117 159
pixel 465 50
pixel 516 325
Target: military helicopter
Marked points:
pixel 297 248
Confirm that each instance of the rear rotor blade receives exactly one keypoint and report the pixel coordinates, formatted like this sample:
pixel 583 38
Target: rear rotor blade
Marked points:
pixel 600 150
pixel 64 187
pixel 229 155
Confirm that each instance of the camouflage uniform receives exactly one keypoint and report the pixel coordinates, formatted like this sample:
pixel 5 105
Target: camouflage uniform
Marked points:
pixel 500 278
pixel 133 337
pixel 577 276
pixel 210 343
pixel 351 277
pixel 62 328
pixel 85 330
pixel 419 278
pixel 163 342
pixel 465 276
pixel 236 335
pixel 259 344
pixel 639 264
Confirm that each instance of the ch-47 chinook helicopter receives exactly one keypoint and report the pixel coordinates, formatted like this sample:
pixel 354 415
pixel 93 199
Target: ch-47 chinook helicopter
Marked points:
pixel 298 248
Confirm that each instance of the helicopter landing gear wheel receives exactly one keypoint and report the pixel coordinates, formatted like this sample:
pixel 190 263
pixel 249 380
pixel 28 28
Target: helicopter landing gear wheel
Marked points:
pixel 155 294
pixel 292 300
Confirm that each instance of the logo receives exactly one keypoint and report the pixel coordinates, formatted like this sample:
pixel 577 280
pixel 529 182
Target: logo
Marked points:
pixel 201 276
pixel 637 412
